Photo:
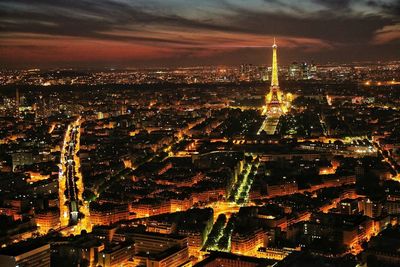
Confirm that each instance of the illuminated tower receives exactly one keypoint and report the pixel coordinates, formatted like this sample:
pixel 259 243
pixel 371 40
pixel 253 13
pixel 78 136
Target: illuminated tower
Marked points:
pixel 274 79
pixel 274 106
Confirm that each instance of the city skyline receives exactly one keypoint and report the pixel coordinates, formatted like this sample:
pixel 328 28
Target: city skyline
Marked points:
pixel 120 34
pixel 188 133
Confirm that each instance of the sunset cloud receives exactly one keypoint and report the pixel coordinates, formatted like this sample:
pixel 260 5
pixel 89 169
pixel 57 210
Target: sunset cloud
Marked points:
pixel 123 32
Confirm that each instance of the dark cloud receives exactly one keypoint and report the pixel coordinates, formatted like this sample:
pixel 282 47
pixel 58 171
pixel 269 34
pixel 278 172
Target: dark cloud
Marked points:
pixel 324 25
pixel 391 8
pixel 334 4
pixel 334 22
pixel 86 19
pixel 93 19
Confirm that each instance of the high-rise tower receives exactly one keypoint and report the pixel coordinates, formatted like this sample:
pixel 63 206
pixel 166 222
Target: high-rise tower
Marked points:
pixel 274 79
pixel 274 105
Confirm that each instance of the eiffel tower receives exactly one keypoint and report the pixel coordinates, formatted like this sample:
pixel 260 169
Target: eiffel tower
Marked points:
pixel 273 102
pixel 274 106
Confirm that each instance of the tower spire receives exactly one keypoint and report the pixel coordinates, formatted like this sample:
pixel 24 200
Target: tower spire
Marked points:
pixel 274 79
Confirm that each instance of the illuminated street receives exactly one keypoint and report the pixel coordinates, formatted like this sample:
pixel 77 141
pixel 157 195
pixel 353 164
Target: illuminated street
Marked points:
pixel 71 184
pixel 230 133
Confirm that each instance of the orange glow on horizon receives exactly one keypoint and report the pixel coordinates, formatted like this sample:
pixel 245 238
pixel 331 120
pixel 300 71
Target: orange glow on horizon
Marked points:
pixel 61 49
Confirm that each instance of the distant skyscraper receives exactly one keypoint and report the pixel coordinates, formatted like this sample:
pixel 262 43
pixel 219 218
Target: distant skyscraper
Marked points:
pixel 302 71
pixel 305 70
pixel 294 71
pixel 313 71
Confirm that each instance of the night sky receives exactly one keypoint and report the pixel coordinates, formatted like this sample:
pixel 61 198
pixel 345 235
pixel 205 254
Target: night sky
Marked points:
pixel 144 33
